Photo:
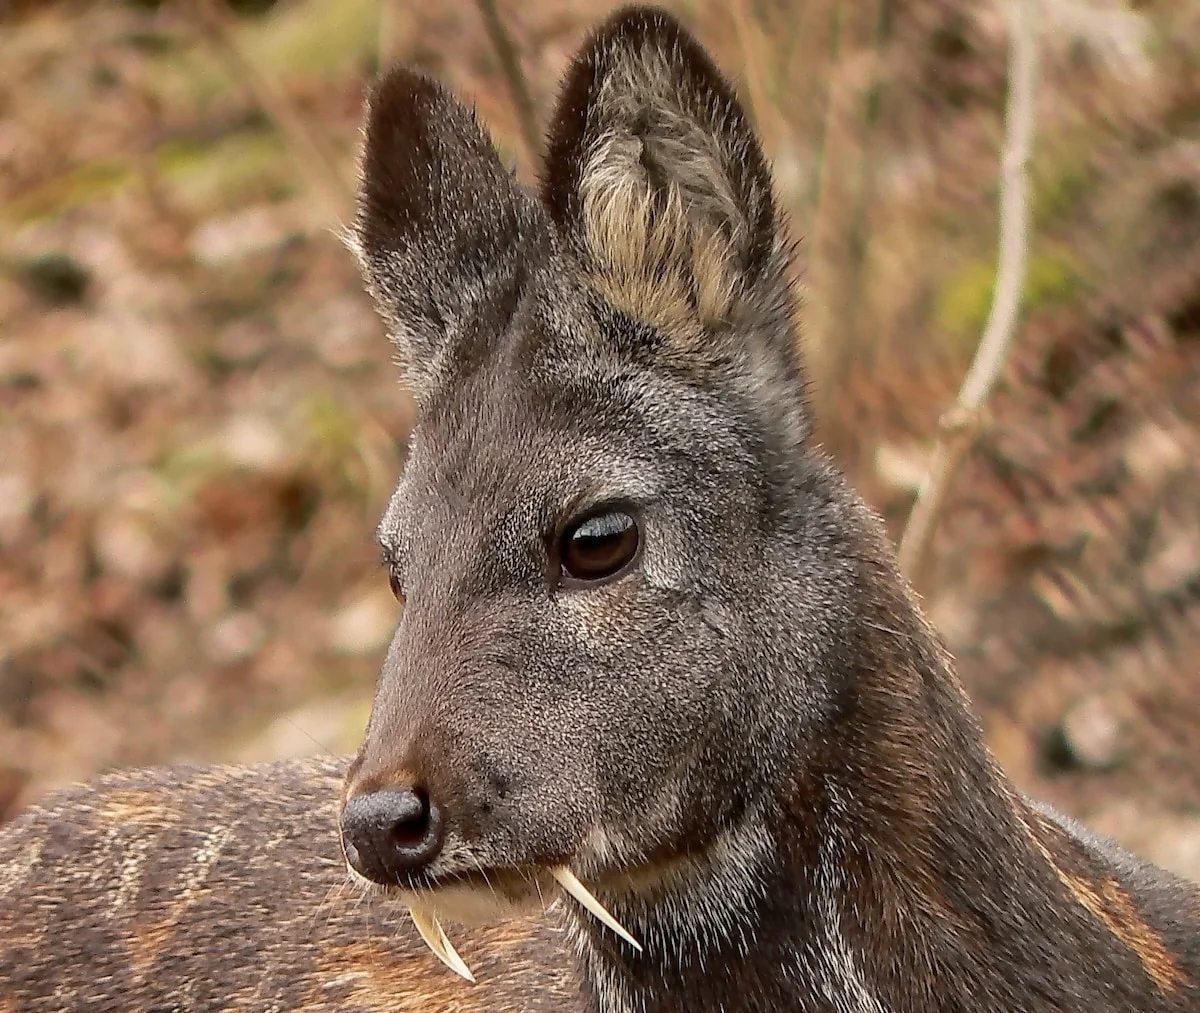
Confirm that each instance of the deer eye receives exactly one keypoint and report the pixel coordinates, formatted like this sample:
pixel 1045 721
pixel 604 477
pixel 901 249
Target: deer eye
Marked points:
pixel 599 547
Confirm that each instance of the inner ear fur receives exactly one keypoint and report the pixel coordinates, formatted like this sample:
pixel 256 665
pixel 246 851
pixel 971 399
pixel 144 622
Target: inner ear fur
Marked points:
pixel 654 174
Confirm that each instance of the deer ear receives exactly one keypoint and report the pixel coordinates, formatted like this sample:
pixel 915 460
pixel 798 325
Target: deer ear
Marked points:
pixel 655 175
pixel 655 180
pixel 442 230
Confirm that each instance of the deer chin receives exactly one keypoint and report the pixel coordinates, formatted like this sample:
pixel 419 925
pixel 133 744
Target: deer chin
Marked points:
pixel 480 897
pixel 470 898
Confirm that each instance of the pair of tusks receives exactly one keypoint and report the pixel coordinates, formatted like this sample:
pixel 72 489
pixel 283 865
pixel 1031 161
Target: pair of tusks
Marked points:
pixel 435 938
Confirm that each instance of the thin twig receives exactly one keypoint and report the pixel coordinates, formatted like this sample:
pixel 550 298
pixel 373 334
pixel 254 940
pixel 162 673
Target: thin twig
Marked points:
pixel 312 157
pixel 389 34
pixel 838 151
pixel 754 58
pixel 858 233
pixel 822 169
pixel 510 64
pixel 961 424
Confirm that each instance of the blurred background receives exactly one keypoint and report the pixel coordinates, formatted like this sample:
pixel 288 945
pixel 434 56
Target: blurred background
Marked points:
pixel 199 424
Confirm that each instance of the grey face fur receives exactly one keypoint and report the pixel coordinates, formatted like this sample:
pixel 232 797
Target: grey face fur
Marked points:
pixel 624 338
pixel 746 739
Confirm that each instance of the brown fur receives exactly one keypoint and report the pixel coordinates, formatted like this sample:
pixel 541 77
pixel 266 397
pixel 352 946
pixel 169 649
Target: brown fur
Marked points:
pixel 224 888
pixel 748 741
pixel 1111 904
pixel 752 745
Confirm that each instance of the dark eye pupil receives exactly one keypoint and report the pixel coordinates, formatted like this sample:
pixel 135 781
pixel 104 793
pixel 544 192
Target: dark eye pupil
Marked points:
pixel 599 546
pixel 394 584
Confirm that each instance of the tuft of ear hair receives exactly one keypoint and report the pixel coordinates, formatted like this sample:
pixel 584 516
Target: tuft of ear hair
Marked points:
pixel 655 174
pixel 655 196
pixel 444 235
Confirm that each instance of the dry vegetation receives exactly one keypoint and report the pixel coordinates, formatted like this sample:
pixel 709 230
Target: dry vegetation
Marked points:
pixel 198 430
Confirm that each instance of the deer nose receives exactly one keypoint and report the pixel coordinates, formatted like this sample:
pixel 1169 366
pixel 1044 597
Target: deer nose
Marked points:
pixel 391 834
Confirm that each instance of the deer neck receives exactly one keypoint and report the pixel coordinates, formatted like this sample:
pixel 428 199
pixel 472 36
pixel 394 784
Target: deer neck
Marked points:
pixel 846 887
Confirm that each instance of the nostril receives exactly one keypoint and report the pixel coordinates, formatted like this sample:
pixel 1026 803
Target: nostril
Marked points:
pixel 391 834
pixel 410 829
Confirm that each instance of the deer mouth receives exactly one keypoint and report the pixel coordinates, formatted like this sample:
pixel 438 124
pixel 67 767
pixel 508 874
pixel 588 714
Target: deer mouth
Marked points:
pixel 478 895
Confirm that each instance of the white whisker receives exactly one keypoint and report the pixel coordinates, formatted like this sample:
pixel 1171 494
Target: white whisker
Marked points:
pixel 538 887
pixel 483 873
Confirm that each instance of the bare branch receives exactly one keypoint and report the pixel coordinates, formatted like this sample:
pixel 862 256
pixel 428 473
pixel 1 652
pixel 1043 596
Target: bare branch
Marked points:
pixel 510 64
pixel 754 58
pixel 961 424
pixel 852 68
pixel 390 23
pixel 312 156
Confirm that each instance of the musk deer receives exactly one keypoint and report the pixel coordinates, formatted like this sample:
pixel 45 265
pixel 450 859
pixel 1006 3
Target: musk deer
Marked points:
pixel 654 651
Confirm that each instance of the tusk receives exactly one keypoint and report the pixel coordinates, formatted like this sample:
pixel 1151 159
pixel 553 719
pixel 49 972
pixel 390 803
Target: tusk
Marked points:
pixel 459 965
pixel 570 882
pixel 435 938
